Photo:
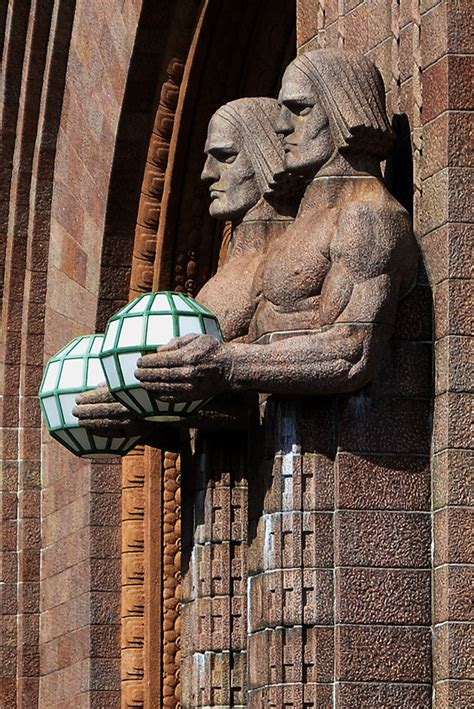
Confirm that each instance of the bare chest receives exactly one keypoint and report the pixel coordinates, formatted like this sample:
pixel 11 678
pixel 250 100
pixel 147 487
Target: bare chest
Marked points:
pixel 296 265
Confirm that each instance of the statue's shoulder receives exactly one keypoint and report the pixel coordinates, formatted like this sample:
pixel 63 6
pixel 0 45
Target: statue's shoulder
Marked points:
pixel 374 232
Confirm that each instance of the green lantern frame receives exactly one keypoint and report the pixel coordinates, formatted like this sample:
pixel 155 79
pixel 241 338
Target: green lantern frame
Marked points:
pixel 74 369
pixel 141 327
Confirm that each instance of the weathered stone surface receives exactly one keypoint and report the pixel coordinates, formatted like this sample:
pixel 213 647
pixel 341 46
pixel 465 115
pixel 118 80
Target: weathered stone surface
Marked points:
pixel 375 654
pixel 388 596
pixel 452 651
pixel 392 539
pixel 377 482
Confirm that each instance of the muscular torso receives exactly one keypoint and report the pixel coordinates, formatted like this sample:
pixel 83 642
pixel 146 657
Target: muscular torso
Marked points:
pixel 279 286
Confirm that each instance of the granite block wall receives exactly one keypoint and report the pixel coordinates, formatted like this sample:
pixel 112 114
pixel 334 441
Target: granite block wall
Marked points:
pixel 356 554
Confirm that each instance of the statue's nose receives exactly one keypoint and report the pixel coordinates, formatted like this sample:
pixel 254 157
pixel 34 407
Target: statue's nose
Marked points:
pixel 209 173
pixel 283 125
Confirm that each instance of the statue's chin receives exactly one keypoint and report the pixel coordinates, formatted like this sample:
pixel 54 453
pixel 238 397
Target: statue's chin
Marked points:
pixel 298 165
pixel 217 211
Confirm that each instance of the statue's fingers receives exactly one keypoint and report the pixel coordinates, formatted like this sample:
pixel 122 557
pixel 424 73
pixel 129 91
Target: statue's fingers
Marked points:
pixel 177 342
pixel 100 410
pixel 161 360
pixel 164 375
pixel 166 391
pixel 100 394
pixel 173 355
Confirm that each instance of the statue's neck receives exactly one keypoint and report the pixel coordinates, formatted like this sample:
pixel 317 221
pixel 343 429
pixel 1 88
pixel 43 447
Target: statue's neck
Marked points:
pixel 258 225
pixel 337 179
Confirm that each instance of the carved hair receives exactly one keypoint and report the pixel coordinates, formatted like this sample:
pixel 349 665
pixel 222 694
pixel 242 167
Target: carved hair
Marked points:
pixel 255 119
pixel 352 92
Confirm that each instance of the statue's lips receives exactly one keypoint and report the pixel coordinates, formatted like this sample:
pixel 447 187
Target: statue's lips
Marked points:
pixel 214 194
pixel 288 146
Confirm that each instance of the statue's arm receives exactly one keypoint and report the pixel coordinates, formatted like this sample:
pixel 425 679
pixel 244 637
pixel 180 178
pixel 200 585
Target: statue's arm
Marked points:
pixel 371 255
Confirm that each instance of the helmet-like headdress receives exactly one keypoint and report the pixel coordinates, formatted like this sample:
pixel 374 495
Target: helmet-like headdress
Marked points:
pixel 255 120
pixel 352 92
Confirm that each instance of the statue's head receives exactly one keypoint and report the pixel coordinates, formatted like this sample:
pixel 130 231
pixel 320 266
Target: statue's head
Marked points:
pixel 332 100
pixel 243 155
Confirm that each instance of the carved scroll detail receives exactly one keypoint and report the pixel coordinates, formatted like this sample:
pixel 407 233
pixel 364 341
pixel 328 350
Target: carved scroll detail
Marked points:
pixel 172 579
pixel 134 466
pixel 133 573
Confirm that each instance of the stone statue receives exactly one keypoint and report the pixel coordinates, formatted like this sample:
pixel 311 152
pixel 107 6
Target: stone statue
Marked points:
pixel 314 309
pixel 244 154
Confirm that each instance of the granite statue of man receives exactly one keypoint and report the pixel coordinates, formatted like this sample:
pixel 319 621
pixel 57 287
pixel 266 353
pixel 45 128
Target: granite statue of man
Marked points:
pixel 324 296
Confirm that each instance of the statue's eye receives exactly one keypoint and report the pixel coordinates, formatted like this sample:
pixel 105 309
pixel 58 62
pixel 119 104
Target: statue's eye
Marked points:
pixel 224 155
pixel 298 108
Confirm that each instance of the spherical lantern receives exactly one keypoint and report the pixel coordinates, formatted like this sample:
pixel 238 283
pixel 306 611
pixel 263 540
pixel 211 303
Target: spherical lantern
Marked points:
pixel 142 326
pixel 71 371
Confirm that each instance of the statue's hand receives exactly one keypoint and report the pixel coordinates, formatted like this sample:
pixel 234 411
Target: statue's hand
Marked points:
pixel 186 369
pixel 98 411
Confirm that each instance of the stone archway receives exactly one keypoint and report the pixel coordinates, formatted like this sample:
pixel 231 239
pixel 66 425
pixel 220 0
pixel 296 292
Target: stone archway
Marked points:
pixel 176 245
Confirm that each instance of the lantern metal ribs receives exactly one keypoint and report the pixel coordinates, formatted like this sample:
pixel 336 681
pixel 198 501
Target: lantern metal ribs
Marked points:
pixel 77 368
pixel 142 326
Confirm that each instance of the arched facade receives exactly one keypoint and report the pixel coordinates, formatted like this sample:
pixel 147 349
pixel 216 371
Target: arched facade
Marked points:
pixel 104 112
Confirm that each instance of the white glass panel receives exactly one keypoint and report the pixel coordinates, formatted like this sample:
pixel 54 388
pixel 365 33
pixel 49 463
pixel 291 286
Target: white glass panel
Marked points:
pixel 100 442
pixel 162 405
pixel 141 305
pixel 64 437
pixel 95 373
pixel 110 335
pixel 179 407
pixel 211 327
pixel 160 303
pixel 108 363
pixel 181 304
pixel 80 348
pixel 189 324
pixel 160 329
pixel 67 402
pixel 127 401
pixel 82 438
pixel 131 442
pixel 52 413
pixel 131 332
pixel 97 344
pixel 51 377
pixel 72 374
pixel 195 405
pixel 64 350
pixel 128 364
pixel 116 443
pixel 143 399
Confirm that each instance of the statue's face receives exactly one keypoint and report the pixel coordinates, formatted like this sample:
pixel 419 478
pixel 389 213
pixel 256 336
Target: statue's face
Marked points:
pixel 303 124
pixel 228 172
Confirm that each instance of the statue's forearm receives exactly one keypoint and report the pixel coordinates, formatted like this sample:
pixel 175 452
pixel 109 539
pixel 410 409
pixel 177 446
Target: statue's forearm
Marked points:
pixel 338 360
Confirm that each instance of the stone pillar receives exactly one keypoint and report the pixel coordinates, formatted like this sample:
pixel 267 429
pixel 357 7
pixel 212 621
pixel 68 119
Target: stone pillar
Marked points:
pixel 291 578
pixel 213 642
